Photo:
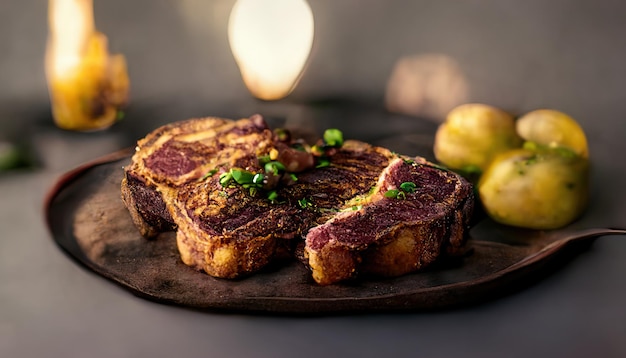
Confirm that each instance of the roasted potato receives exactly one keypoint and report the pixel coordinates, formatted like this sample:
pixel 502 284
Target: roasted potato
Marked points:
pixel 535 188
pixel 553 129
pixel 472 135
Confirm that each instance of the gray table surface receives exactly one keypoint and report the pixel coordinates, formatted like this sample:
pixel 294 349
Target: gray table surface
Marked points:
pixel 517 55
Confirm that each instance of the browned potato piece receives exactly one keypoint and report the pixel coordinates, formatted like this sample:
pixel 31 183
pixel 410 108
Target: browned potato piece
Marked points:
pixel 472 135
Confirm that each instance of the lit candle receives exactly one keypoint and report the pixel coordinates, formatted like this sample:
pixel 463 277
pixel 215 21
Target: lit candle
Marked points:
pixel 88 87
pixel 271 41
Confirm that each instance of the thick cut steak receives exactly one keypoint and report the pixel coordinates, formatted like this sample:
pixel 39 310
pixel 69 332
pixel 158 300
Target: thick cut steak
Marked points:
pixel 339 212
pixel 391 236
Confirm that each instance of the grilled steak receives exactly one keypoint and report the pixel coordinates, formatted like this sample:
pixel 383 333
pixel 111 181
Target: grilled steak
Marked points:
pixel 390 235
pixel 342 212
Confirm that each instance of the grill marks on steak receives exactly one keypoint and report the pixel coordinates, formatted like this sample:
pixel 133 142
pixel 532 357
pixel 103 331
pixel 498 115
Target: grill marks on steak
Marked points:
pixel 178 154
pixel 391 236
pixel 353 172
pixel 349 225
pixel 240 233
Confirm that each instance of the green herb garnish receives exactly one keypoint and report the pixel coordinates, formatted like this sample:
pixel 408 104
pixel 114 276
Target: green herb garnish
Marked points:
pixel 272 196
pixel 274 167
pixel 323 163
pixel 226 178
pixel 248 180
pixel 304 203
pixel 242 176
pixel 333 137
pixel 406 187
pixel 208 174
pixel 392 193
pixel 258 178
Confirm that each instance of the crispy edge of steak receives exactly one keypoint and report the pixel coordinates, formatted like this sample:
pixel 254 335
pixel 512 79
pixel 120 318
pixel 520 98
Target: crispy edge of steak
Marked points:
pixel 389 236
pixel 146 206
pixel 145 182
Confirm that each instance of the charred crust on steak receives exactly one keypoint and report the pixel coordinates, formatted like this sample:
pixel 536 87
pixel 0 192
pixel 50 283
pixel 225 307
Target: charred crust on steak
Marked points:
pixel 391 236
pixel 148 211
pixel 335 218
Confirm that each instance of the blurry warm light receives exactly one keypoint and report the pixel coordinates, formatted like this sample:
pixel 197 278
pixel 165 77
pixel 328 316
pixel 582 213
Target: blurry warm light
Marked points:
pixel 427 85
pixel 70 37
pixel 271 41
pixel 88 87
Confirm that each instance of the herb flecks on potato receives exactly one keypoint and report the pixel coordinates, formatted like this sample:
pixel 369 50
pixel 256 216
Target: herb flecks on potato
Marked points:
pixel 532 172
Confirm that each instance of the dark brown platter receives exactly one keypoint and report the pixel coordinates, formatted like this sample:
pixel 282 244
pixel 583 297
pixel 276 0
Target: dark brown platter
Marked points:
pixel 88 221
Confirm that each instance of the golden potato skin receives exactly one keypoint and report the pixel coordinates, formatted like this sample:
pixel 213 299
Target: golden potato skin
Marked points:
pixel 472 135
pixel 537 189
pixel 554 129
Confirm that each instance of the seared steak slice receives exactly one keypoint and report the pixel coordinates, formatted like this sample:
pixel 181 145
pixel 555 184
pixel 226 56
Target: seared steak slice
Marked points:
pixel 391 236
pixel 180 153
pixel 173 182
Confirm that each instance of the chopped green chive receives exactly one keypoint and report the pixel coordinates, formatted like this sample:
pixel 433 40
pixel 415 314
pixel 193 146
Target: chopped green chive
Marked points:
pixel 208 174
pixel 333 137
pixel 272 196
pixel 242 176
pixel 408 187
pixel 258 178
pixel 322 163
pixel 405 187
pixel 392 193
pixel 304 203
pixel 274 167
pixel 225 178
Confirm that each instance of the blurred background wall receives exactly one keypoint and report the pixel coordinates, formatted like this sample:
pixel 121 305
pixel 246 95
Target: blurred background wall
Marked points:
pixel 518 55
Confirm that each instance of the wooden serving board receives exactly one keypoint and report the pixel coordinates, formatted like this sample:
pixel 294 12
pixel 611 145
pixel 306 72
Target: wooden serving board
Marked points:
pixel 88 220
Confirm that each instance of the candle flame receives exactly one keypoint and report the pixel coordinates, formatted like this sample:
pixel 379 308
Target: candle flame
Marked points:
pixel 271 41
pixel 71 25
pixel 88 87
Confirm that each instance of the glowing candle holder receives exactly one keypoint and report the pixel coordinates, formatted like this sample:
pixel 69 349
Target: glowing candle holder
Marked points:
pixel 88 87
pixel 271 41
